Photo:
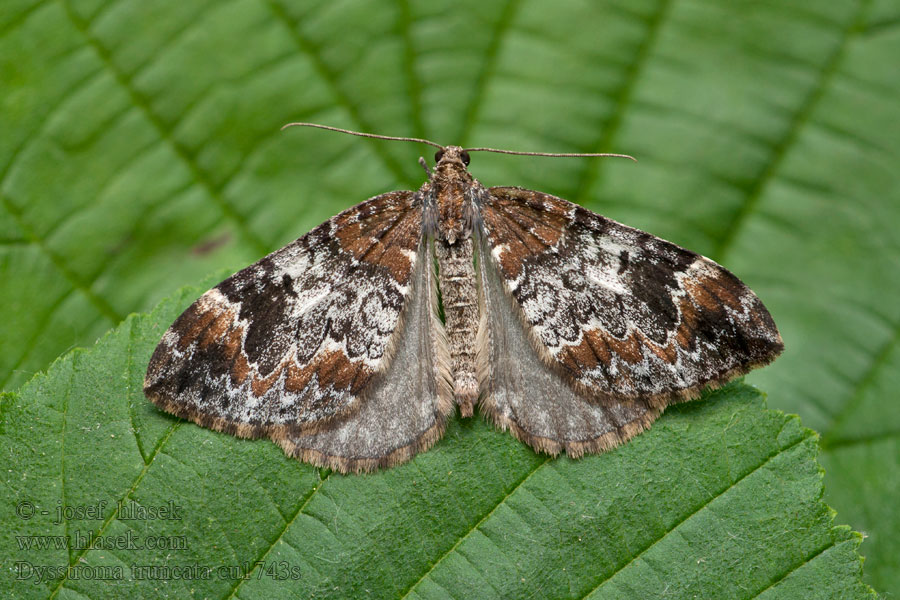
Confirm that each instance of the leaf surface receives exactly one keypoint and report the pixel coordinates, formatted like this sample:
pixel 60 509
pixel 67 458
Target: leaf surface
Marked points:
pixel 714 484
pixel 134 160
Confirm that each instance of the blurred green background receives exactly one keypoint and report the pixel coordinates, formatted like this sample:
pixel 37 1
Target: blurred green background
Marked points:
pixel 140 151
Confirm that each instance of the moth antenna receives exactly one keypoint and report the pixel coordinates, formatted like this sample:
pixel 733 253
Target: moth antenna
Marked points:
pixel 553 154
pixel 366 135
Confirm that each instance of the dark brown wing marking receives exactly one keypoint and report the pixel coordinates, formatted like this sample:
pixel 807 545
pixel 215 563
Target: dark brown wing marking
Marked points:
pixel 405 409
pixel 621 314
pixel 294 340
pixel 539 405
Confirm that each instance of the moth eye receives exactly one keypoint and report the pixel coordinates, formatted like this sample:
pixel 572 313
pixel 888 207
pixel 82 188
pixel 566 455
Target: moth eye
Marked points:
pixel 465 157
pixel 438 155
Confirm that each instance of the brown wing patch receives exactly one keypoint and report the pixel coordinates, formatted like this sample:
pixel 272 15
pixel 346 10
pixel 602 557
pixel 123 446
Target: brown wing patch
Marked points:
pixel 382 234
pixel 524 226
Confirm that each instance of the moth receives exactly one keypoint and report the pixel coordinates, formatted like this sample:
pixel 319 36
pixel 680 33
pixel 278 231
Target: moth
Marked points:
pixel 352 346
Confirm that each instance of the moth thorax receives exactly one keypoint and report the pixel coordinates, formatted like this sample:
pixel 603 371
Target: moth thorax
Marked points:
pixel 455 209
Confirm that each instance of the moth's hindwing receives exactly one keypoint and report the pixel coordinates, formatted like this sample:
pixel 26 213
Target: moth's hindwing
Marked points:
pixel 538 404
pixel 291 345
pixel 626 320
pixel 404 410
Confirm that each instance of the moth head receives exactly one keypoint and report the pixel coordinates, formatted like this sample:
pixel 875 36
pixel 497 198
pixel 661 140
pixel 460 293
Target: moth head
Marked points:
pixel 452 154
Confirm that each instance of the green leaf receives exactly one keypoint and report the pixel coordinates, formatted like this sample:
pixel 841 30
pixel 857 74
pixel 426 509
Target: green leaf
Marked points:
pixel 721 498
pixel 134 160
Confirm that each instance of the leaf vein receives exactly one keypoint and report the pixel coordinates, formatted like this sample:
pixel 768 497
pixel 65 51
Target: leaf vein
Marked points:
pixel 502 28
pixel 130 378
pixel 200 176
pixel 22 17
pixel 477 525
pixel 173 37
pixel 862 385
pixel 696 511
pixel 864 439
pixel 594 167
pixel 112 517
pixel 781 149
pixel 793 568
pixel 98 302
pixel 287 525
pixel 74 89
pixel 328 77
pixel 414 86
pixel 62 448
pixel 28 346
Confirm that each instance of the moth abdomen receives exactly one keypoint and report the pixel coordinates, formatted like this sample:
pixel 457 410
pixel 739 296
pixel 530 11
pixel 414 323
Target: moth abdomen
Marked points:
pixel 456 277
